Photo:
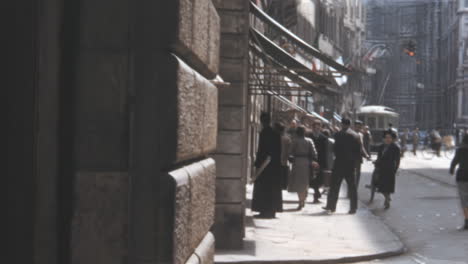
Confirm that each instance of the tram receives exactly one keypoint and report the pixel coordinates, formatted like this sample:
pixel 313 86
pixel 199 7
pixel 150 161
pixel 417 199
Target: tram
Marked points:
pixel 378 118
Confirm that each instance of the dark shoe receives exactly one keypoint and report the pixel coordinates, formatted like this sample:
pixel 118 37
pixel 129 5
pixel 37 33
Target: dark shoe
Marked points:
pixel 352 211
pixel 261 216
pixel 387 205
pixel 316 201
pixel 328 209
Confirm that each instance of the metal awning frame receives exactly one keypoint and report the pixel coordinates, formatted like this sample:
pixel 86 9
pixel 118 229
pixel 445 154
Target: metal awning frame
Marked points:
pixel 298 42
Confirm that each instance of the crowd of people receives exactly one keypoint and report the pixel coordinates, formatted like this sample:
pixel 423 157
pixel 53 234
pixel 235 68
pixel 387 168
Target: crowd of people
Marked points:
pixel 297 157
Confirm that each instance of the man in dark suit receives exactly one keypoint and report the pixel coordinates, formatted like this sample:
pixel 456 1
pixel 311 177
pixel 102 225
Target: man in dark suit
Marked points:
pixel 320 142
pixel 347 150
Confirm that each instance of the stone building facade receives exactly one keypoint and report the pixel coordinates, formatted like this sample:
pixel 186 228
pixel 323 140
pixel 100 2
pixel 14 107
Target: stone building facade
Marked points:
pixel 407 84
pixel 117 152
pixel 453 54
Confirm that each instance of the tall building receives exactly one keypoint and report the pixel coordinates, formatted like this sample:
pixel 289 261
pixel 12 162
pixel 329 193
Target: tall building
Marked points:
pixel 405 81
pixel 454 63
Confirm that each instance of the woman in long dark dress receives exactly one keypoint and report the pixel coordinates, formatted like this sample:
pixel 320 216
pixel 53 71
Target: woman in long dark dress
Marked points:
pixel 387 164
pixel 461 159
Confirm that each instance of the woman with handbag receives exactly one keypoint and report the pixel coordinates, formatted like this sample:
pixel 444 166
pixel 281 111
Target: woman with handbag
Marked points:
pixel 304 161
pixel 386 165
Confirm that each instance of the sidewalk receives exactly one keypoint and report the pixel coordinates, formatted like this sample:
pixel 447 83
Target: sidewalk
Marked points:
pixel 313 236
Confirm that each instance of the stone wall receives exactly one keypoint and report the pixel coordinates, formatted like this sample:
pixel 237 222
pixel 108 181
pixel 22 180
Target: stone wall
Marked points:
pixel 146 118
pixel 231 155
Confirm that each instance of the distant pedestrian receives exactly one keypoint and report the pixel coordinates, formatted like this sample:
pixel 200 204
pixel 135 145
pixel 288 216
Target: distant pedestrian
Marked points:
pixel 321 145
pixel 292 128
pixel 304 161
pixel 347 152
pixel 367 139
pixel 404 142
pixel 285 150
pixel 267 195
pixel 436 141
pixel 416 137
pixel 387 164
pixel 461 159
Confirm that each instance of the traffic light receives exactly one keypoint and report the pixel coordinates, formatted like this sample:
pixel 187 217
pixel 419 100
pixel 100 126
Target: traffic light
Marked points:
pixel 410 48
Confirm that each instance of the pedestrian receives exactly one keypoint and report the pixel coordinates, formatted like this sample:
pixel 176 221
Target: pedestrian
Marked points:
pixel 436 141
pixel 416 138
pixel 404 142
pixel 347 152
pixel 386 165
pixel 321 145
pixel 267 194
pixel 292 128
pixel 358 125
pixel 304 162
pixel 367 139
pixel 461 159
pixel 285 150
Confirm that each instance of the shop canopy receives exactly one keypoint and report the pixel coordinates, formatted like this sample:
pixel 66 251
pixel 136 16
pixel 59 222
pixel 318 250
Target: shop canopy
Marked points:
pixel 297 41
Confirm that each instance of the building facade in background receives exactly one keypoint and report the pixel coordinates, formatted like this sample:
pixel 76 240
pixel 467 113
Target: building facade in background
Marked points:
pixel 453 54
pixel 403 82
pixel 428 89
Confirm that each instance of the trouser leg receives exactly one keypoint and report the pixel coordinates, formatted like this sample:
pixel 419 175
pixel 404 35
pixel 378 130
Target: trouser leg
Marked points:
pixel 352 191
pixel 317 183
pixel 334 192
pixel 358 174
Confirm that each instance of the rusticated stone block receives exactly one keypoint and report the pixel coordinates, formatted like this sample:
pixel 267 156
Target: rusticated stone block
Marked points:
pixel 100 218
pixel 181 233
pixel 198 35
pixel 191 117
pixel 202 181
pixel 206 249
pixel 194 207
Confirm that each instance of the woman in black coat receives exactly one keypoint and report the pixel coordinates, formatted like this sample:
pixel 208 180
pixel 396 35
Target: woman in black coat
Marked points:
pixel 461 160
pixel 387 164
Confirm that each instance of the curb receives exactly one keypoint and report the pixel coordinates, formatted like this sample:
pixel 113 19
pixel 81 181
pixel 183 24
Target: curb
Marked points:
pixel 353 259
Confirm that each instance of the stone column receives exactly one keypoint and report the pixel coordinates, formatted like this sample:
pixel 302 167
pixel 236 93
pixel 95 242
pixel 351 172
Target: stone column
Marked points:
pixel 231 154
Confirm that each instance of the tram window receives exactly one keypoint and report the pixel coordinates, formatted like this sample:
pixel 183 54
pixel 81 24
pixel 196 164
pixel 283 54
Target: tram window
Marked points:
pixel 381 122
pixel 371 122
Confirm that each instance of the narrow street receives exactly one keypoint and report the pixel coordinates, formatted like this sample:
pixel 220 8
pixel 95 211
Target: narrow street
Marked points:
pixel 425 212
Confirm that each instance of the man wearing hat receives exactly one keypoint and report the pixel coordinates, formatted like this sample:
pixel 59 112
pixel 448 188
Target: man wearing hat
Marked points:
pixel 347 152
